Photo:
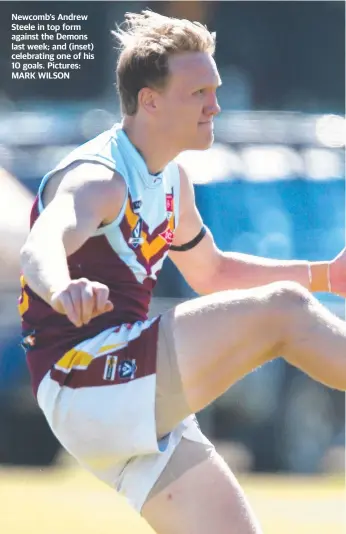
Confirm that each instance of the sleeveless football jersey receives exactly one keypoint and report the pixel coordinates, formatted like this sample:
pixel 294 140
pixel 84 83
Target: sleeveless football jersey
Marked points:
pixel 126 255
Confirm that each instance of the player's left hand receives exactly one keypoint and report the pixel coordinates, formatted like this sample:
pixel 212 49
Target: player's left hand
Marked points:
pixel 337 274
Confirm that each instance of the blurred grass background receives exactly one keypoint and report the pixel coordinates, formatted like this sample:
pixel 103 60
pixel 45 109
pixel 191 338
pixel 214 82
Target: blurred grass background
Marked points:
pixel 67 500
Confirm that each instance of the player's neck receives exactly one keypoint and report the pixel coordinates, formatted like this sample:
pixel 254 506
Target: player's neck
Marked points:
pixel 154 149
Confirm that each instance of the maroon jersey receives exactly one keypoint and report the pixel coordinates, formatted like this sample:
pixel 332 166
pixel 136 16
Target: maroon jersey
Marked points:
pixel 125 255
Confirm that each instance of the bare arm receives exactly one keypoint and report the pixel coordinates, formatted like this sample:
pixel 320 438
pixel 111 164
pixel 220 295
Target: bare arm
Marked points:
pixel 208 269
pixel 88 195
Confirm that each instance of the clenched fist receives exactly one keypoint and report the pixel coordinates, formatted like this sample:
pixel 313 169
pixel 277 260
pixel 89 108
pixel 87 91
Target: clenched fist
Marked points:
pixel 81 300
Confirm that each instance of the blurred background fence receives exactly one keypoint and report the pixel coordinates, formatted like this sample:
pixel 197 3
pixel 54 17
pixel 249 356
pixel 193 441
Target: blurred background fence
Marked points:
pixel 273 184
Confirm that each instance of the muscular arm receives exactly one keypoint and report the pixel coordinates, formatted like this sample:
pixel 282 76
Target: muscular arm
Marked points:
pixel 88 195
pixel 208 269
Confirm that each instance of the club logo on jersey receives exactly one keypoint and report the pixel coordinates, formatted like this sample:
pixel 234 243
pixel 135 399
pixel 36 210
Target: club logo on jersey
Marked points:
pixel 167 236
pixel 127 369
pixel 136 238
pixel 110 367
pixel 169 205
pixel 136 206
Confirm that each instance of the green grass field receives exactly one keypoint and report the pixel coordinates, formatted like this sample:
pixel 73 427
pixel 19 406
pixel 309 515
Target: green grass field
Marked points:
pixel 70 501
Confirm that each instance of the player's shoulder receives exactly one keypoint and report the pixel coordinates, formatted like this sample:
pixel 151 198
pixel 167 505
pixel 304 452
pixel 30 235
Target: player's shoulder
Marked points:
pixel 84 172
pixel 88 177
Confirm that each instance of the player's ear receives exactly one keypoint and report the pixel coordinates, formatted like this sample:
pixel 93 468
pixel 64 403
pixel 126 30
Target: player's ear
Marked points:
pixel 148 99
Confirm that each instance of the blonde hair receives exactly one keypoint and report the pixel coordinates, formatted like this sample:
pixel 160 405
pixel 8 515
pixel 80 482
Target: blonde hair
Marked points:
pixel 147 40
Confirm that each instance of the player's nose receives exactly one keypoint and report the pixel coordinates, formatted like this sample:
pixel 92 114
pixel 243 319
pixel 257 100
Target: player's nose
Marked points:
pixel 213 108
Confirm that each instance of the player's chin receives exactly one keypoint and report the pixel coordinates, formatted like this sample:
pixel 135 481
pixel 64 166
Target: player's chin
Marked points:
pixel 206 143
pixel 202 141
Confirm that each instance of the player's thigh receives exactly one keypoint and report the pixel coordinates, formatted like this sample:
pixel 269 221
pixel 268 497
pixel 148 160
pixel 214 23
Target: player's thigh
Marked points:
pixel 198 497
pixel 219 338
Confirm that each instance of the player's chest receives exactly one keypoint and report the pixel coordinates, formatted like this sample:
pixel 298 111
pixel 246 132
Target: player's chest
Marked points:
pixel 150 216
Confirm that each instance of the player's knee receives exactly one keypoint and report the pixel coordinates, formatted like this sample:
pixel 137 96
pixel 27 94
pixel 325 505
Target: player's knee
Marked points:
pixel 289 297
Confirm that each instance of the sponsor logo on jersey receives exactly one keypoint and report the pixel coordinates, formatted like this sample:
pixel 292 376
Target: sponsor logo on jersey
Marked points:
pixel 136 205
pixel 127 369
pixel 136 239
pixel 167 236
pixel 110 367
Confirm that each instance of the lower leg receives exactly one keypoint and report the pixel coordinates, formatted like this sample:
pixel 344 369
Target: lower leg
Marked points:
pixel 315 341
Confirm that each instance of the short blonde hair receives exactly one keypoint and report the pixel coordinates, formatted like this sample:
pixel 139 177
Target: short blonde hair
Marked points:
pixel 147 40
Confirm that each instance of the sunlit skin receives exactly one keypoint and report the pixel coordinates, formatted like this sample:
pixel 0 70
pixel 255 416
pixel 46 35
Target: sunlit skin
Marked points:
pixel 179 117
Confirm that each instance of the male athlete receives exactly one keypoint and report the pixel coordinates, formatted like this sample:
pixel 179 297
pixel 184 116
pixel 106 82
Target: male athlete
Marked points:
pixel 119 390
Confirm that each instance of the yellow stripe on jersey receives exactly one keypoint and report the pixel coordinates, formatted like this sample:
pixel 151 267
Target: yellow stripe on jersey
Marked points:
pixel 23 304
pixel 73 358
pixel 149 250
pixel 131 217
pixel 111 348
